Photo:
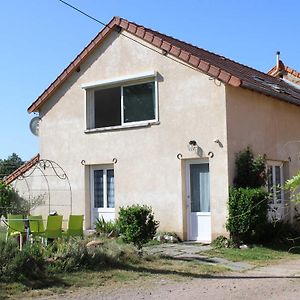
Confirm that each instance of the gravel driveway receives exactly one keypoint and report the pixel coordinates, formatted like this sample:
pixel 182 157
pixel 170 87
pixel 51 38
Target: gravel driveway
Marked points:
pixel 281 281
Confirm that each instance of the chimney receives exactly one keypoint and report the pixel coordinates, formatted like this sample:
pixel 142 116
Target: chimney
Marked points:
pixel 278 60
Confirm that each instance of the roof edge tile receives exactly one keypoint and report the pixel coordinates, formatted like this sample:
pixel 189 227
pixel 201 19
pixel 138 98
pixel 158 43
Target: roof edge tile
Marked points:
pixel 21 170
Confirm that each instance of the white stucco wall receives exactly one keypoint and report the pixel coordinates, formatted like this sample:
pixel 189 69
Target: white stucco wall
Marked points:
pixel 191 107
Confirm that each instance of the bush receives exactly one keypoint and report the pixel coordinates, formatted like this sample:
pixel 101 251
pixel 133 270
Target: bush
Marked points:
pixel 250 169
pixel 247 210
pixel 74 255
pixel 280 232
pixel 137 225
pixel 223 242
pixel 21 266
pixel 106 228
pixel 67 255
pixel 6 196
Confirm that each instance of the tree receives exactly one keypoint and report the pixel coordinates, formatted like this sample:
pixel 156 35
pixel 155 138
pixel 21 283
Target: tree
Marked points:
pixel 293 186
pixel 7 166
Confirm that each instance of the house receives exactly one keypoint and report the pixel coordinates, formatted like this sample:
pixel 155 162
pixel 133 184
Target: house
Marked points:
pixel 141 117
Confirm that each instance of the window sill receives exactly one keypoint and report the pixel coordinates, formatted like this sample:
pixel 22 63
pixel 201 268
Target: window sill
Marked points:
pixel 122 127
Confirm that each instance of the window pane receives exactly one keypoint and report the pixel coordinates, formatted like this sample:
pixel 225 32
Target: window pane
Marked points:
pixel 98 188
pixel 139 102
pixel 278 183
pixel 269 179
pixel 110 189
pixel 107 107
pixel 199 180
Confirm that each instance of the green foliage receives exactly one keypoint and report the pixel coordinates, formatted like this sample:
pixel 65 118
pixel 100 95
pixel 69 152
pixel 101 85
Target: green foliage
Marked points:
pixel 11 202
pixel 280 232
pixel 73 255
pixel 250 169
pixel 7 166
pixel 247 209
pixel 21 266
pixel 137 225
pixel 68 255
pixel 293 185
pixel 6 198
pixel 106 228
pixel 223 242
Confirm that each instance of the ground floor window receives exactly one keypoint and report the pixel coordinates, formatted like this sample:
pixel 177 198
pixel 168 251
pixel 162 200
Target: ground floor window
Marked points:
pixel 104 188
pixel 275 181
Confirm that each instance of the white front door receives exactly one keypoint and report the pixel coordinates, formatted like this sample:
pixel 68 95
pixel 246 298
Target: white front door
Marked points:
pixel 102 194
pixel 198 201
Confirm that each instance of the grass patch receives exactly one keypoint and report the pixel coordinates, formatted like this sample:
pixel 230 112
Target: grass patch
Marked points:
pixel 256 255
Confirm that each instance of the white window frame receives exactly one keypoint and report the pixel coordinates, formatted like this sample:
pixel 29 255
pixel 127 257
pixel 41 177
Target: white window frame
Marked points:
pixel 274 164
pixel 120 82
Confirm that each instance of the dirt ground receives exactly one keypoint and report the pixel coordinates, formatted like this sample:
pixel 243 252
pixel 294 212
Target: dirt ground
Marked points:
pixel 281 281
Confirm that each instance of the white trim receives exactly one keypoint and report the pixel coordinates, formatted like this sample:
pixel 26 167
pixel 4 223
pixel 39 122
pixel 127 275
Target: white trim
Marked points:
pixel 90 105
pixel 125 126
pixel 119 80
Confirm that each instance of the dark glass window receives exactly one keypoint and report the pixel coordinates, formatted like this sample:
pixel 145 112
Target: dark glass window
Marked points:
pixel 108 107
pixel 139 102
pixel 98 189
pixel 138 105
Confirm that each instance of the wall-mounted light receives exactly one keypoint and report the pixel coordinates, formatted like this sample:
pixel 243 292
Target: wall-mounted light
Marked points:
pixel 194 147
pixel 217 141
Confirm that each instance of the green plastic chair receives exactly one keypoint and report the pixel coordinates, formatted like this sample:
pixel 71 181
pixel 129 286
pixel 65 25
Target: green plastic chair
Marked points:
pixel 75 226
pixel 15 227
pixel 36 225
pixel 53 228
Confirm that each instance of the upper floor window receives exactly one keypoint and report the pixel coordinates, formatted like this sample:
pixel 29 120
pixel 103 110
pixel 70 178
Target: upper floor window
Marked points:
pixel 113 105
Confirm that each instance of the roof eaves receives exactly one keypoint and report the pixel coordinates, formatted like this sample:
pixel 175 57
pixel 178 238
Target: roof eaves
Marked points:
pixel 71 68
pixel 148 36
pixel 265 91
pixel 21 170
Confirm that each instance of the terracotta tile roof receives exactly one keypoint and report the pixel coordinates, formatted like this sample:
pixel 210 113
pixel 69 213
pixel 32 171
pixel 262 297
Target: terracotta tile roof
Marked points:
pixel 21 170
pixel 286 69
pixel 219 67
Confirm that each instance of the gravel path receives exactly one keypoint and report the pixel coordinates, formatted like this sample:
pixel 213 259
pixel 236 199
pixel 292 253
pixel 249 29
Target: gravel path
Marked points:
pixel 281 281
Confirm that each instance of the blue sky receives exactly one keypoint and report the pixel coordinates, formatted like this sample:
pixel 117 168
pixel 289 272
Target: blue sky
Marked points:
pixel 39 38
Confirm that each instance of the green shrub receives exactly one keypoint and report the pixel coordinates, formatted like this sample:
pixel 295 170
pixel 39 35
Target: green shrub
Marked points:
pixel 6 196
pixel 137 225
pixel 106 228
pixel 250 169
pixel 73 255
pixel 223 242
pixel 28 264
pixel 247 210
pixel 68 255
pixel 280 232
